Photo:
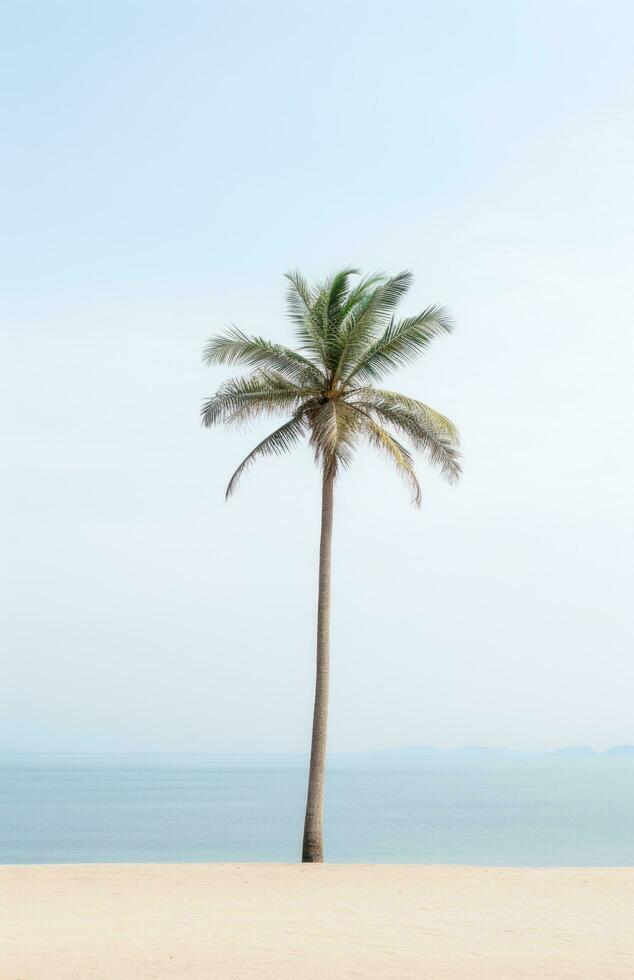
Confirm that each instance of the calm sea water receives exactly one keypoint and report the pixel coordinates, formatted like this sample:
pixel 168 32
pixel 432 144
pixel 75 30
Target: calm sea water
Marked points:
pixel 516 811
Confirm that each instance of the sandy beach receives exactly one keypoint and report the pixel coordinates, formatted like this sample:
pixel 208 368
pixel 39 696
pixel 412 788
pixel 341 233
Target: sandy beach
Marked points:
pixel 329 922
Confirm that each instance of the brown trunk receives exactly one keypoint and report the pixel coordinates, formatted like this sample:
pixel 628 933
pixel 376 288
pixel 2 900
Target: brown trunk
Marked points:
pixel 313 846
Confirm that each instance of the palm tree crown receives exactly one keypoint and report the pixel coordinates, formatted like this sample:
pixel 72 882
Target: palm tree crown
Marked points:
pixel 348 338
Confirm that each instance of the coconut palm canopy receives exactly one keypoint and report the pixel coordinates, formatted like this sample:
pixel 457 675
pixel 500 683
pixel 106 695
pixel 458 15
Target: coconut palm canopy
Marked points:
pixel 348 339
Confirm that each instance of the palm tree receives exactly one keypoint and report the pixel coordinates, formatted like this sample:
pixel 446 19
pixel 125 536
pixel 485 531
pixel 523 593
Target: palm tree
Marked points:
pixel 348 338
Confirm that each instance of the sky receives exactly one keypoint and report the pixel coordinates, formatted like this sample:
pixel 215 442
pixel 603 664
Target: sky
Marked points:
pixel 163 165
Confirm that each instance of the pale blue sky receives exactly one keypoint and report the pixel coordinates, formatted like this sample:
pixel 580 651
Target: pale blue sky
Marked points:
pixel 163 164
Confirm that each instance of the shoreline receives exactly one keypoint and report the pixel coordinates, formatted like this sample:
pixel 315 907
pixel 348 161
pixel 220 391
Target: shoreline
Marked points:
pixel 315 922
pixel 339 865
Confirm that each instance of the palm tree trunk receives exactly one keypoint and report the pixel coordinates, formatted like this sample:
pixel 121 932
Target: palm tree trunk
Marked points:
pixel 313 846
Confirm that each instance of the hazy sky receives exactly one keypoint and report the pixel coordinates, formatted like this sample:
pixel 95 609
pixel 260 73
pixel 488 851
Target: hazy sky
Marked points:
pixel 164 164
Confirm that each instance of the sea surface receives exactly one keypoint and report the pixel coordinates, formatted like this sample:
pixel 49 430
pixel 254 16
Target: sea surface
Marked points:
pixel 446 808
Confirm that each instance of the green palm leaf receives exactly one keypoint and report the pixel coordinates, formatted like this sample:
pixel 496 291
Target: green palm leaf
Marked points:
pixel 278 443
pixel 368 317
pixel 395 399
pixel 262 393
pixel 301 302
pixel 402 342
pixel 401 458
pixel 426 431
pixel 235 347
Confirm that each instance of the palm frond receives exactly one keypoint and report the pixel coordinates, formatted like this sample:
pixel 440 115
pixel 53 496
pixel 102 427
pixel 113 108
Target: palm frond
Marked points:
pixel 430 432
pixel 394 399
pixel 337 292
pixel 384 442
pixel 235 347
pixel 367 317
pixel 281 441
pixel 262 393
pixel 403 341
pixel 332 296
pixel 300 302
pixel 328 298
pixel 364 286
pixel 299 297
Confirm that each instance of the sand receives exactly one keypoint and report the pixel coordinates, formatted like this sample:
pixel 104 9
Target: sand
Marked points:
pixel 328 922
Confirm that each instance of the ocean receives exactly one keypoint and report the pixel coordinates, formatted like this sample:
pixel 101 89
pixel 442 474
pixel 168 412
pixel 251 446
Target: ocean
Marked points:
pixel 444 808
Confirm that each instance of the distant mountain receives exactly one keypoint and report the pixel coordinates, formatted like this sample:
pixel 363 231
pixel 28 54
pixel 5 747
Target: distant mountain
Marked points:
pixel 575 750
pixel 471 751
pixel 620 750
pixel 484 750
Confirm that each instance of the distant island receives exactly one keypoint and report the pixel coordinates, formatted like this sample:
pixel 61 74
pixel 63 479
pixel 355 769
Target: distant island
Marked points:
pixel 620 750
